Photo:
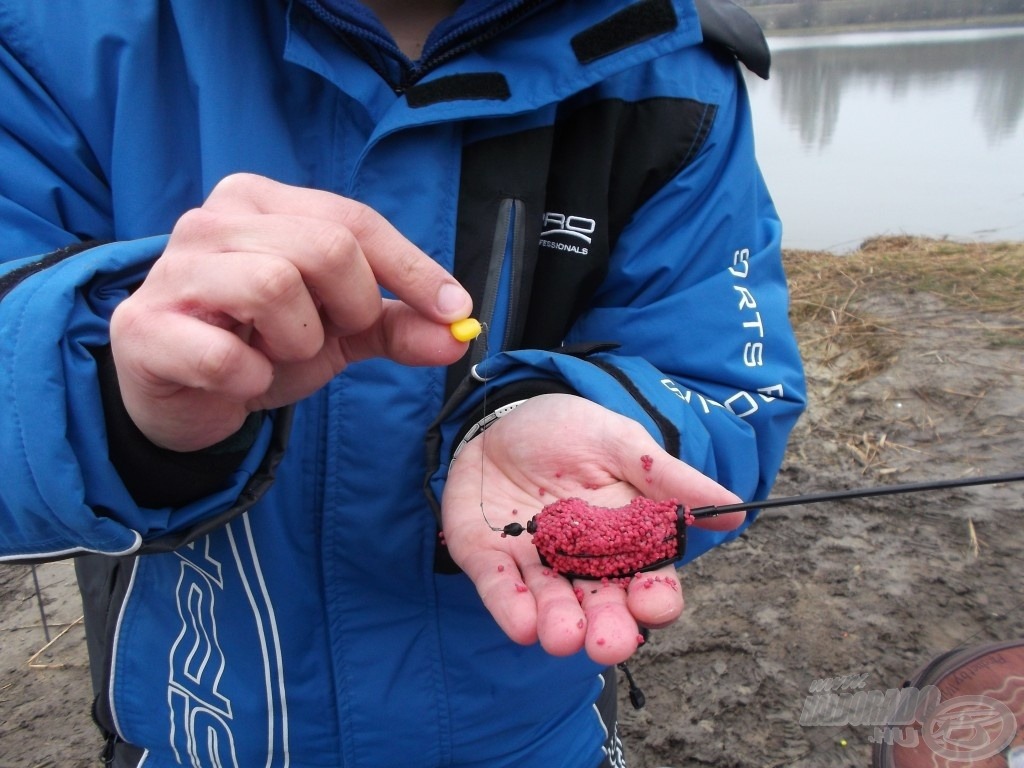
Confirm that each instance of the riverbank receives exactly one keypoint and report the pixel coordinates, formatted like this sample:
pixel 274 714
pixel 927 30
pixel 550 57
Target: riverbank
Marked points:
pixel 913 351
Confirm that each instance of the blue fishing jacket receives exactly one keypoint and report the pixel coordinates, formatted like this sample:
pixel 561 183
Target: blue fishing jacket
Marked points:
pixel 586 169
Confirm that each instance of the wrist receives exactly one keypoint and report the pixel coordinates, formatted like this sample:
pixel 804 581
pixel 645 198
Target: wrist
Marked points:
pixel 485 423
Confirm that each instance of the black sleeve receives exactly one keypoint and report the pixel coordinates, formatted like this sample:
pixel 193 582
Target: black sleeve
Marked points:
pixel 157 477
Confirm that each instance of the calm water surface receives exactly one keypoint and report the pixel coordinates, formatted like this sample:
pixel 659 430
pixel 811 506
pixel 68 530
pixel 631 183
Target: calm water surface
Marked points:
pixel 894 133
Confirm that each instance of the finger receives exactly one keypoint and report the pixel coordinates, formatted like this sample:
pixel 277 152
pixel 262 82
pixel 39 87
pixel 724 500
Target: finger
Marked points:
pixel 612 632
pixel 655 598
pixel 402 336
pixel 659 475
pixel 503 592
pixel 561 622
pixel 669 477
pixel 406 337
pixel 398 264
pixel 276 267
pixel 183 351
pixel 263 300
pixel 726 521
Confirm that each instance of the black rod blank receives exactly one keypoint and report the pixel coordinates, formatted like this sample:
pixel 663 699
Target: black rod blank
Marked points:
pixel 857 493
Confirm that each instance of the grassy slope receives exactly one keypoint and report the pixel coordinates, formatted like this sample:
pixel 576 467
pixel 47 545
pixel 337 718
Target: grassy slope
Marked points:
pixel 830 295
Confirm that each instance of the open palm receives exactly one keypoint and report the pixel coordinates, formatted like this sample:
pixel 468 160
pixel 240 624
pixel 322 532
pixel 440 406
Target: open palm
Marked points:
pixel 549 448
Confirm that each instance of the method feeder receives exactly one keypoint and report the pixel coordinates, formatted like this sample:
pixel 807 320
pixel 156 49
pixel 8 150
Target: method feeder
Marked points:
pixel 582 541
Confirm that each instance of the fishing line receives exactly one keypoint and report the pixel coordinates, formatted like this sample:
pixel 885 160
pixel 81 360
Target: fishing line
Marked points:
pixel 483 339
pixel 477 333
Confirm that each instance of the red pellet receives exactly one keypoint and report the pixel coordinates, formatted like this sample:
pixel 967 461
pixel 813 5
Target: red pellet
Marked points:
pixel 600 641
pixel 580 624
pixel 577 538
pixel 639 639
pixel 501 568
pixel 647 461
pixel 521 588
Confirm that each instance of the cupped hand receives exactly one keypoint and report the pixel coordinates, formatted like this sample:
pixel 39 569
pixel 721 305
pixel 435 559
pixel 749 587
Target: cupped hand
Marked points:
pixel 553 447
pixel 264 294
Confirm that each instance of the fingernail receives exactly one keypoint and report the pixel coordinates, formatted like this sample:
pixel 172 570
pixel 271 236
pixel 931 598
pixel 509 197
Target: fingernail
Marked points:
pixel 451 298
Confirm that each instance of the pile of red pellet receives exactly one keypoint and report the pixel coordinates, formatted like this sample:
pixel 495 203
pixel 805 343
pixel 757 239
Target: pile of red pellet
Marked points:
pixel 578 539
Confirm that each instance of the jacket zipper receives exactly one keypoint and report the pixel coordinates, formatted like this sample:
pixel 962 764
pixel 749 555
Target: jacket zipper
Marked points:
pixel 476 32
pixel 503 271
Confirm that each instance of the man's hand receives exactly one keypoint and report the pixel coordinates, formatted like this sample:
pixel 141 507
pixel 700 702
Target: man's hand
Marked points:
pixel 552 447
pixel 262 296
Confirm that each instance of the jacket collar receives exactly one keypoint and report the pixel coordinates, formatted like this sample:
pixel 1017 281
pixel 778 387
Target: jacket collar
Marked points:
pixel 473 20
pixel 723 22
pixel 557 49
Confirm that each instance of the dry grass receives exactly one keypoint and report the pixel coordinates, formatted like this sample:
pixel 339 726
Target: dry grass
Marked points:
pixel 856 315
pixel 837 301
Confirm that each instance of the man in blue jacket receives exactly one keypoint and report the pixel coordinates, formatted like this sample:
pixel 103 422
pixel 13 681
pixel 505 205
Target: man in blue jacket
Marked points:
pixel 235 235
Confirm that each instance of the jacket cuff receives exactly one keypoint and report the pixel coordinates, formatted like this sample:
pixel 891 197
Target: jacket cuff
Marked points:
pixel 512 393
pixel 156 477
pixel 474 398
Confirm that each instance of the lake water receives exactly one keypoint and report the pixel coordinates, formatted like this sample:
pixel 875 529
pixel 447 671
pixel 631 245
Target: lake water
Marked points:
pixel 918 133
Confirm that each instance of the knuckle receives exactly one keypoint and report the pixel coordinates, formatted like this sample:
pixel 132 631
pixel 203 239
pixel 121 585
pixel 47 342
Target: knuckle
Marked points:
pixel 333 246
pixel 217 361
pixel 361 218
pixel 274 281
pixel 195 225
pixel 410 268
pixel 234 184
pixel 124 322
pixel 369 226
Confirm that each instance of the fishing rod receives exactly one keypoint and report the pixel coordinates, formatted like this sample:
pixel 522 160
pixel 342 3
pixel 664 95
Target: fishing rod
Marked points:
pixel 582 541
pixel 579 540
pixel 857 493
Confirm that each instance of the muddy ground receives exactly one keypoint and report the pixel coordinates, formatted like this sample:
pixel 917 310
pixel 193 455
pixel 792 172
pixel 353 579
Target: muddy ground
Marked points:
pixel 914 357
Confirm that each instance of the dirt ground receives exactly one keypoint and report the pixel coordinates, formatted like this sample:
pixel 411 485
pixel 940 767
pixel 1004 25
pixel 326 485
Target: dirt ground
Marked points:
pixel 45 693
pixel 913 352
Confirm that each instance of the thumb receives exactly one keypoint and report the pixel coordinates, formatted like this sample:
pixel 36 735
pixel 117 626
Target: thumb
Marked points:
pixel 660 475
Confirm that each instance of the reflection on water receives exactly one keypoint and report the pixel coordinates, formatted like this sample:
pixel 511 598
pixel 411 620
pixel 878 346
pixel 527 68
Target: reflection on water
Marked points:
pixel 857 113
pixel 812 80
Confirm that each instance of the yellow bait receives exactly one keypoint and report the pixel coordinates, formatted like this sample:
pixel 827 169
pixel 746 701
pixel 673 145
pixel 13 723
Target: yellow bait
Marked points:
pixel 466 330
